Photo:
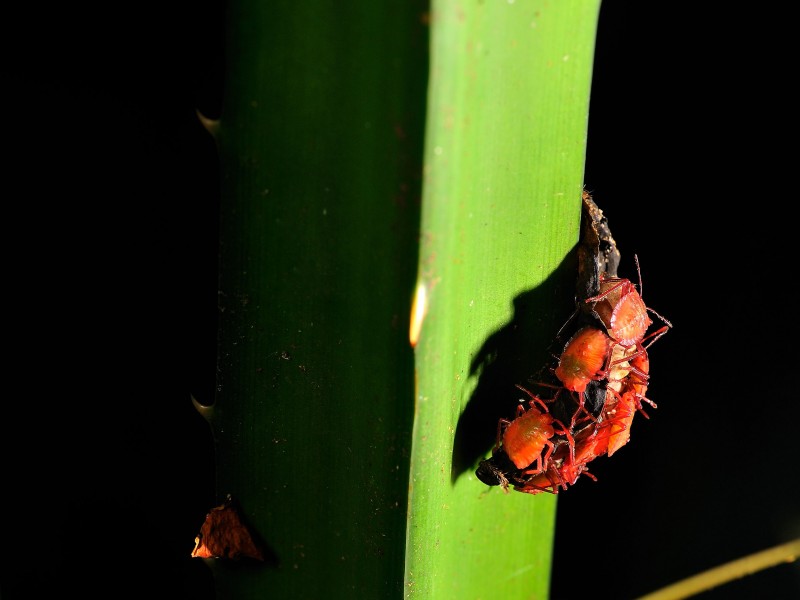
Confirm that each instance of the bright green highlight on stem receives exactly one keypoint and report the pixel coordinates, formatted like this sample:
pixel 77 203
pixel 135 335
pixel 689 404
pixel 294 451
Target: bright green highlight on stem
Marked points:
pixel 505 144
pixel 325 418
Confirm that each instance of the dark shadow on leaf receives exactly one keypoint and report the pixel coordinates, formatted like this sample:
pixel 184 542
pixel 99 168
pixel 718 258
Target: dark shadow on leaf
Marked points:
pixel 519 352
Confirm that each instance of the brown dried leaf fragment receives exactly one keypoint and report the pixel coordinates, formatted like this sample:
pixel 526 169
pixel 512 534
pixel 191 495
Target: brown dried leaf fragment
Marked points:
pixel 597 251
pixel 224 534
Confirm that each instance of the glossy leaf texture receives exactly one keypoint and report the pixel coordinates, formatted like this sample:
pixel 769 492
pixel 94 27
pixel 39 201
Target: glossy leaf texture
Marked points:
pixel 320 144
pixel 325 418
pixel 504 156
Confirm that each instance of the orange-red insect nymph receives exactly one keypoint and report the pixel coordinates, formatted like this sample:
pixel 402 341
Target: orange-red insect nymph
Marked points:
pixel 529 434
pixel 584 358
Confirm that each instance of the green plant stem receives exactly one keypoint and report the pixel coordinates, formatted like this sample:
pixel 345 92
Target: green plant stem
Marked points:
pixel 736 569
pixel 504 155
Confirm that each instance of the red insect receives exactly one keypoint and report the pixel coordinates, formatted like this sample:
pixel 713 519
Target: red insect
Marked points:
pixel 584 359
pixel 526 439
pixel 525 445
pixel 571 456
pixel 621 309
pixel 566 466
pixel 624 399
pixel 628 365
pixel 639 379
pixel 625 385
pixel 550 481
pixel 632 373
pixel 600 380
pixel 619 422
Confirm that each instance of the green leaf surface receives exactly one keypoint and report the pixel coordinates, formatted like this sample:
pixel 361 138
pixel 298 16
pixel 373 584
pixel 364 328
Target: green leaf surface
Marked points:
pixel 504 155
pixel 320 396
pixel 320 144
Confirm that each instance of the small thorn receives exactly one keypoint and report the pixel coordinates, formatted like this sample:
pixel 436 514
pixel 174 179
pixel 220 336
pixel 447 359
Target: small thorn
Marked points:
pixel 207 412
pixel 210 125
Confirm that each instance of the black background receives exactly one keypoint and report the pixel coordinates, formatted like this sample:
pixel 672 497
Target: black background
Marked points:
pixel 687 156
pixel 111 200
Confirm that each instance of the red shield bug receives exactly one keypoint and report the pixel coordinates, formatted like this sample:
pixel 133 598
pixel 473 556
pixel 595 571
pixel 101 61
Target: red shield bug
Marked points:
pixel 600 379
pixel 584 358
pixel 623 312
pixel 526 439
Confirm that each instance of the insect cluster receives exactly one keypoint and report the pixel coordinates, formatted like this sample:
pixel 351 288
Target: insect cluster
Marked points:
pixel 589 396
